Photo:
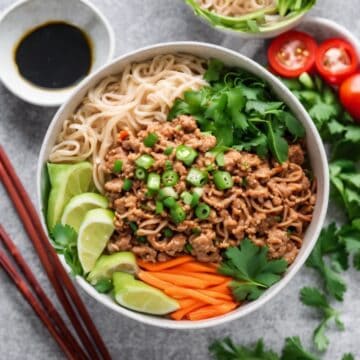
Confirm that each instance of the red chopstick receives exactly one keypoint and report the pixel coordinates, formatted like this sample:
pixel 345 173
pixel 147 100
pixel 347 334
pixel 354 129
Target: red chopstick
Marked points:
pixel 31 299
pixel 41 295
pixel 51 263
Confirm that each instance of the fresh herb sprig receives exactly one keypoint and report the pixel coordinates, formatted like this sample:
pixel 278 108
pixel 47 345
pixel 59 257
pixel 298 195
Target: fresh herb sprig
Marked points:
pixel 242 112
pixel 253 272
pixel 64 239
pixel 314 298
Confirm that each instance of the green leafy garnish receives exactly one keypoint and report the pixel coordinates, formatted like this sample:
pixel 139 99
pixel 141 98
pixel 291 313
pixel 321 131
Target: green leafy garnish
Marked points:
pixel 64 239
pixel 328 243
pixel 226 350
pixel 345 181
pixel 253 272
pixel 313 297
pixel 348 357
pixel 241 111
pixel 293 350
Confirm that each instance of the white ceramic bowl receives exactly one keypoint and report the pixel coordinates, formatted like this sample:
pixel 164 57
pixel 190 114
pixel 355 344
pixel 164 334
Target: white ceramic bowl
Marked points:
pixel 264 34
pixel 29 14
pixel 315 150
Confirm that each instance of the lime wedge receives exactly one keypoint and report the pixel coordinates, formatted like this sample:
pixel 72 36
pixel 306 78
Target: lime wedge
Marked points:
pixel 66 181
pixel 139 296
pixel 108 264
pixel 79 205
pixel 94 233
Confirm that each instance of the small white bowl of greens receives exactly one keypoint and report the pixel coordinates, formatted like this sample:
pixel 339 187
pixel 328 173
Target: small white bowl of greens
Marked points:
pixel 247 19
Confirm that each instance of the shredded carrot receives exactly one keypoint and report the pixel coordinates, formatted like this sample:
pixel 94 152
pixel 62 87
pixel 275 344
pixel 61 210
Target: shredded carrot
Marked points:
pixel 182 280
pixel 216 295
pixel 186 302
pixel 223 288
pixel 207 312
pixel 196 267
pixel 153 281
pixel 166 264
pixel 123 135
pixel 196 294
pixel 181 313
pixel 212 279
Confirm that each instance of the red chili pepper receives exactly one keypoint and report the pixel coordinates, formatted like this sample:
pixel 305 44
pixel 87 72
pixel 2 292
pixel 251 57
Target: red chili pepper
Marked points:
pixel 123 135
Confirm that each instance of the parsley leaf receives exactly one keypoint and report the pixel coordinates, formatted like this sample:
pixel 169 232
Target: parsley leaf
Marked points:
pixel 348 357
pixel 64 239
pixel 226 350
pixel 248 263
pixel 293 350
pixel 104 286
pixel 313 297
pixel 242 111
pixel 327 244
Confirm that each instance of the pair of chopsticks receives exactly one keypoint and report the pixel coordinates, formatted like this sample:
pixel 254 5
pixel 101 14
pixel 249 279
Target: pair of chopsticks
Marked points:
pixel 92 346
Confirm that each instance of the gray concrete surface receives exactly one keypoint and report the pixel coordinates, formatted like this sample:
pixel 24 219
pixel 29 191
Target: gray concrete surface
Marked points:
pixel 22 127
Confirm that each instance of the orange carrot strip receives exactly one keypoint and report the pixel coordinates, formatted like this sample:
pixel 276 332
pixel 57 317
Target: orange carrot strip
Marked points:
pixel 186 302
pixel 166 264
pixel 195 294
pixel 181 280
pixel 147 278
pixel 223 288
pixel 196 267
pixel 210 278
pixel 216 295
pixel 207 312
pixel 179 314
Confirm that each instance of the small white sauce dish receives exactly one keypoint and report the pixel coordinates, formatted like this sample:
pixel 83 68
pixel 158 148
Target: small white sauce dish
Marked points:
pixel 27 15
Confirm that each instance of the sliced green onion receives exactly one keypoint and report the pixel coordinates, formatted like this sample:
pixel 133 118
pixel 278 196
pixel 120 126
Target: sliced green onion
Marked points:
pixel 198 190
pixel 118 164
pixel 186 154
pixel 168 165
pixel 170 178
pixel 133 226
pixel 188 248
pixel 177 214
pixel 140 173
pixel 168 192
pixel 186 197
pixel 159 207
pixel 197 177
pixel 145 161
pixel 223 180
pixel 151 140
pixel 202 211
pixel 142 239
pixel 127 185
pixel 196 231
pixel 153 182
pixel 220 159
pixel 170 202
pixel 168 232
pixel 168 151
pixel 195 199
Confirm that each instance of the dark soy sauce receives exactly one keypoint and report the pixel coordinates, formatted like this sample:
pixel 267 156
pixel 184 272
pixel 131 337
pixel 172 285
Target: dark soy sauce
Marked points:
pixel 54 55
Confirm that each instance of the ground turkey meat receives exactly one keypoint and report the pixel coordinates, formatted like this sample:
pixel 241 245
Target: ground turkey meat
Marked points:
pixel 269 203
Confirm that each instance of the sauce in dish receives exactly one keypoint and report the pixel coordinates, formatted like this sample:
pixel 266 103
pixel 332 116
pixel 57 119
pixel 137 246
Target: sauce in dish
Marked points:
pixel 46 55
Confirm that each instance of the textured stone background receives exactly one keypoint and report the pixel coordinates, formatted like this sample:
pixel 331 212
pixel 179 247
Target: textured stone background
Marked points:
pixel 22 127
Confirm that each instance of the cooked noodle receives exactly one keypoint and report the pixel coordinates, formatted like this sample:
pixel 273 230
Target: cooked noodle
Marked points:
pixel 142 93
pixel 236 7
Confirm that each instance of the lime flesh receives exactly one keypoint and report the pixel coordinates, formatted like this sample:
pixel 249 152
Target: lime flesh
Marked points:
pixel 138 296
pixel 79 205
pixel 94 233
pixel 106 265
pixel 66 182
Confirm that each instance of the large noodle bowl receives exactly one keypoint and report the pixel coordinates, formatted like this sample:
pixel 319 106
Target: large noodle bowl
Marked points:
pixel 264 202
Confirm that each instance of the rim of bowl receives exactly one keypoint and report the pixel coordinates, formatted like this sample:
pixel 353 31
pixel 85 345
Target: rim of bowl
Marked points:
pixel 69 90
pixel 292 270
